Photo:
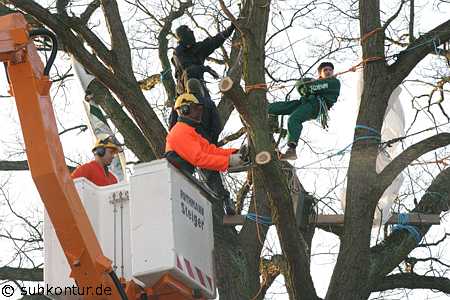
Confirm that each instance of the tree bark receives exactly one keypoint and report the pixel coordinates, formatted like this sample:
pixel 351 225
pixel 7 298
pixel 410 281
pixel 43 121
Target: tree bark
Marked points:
pixel 362 194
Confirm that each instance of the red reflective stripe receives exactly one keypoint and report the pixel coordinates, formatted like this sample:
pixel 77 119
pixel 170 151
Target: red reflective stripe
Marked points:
pixel 200 276
pixel 179 266
pixel 189 268
pixel 209 281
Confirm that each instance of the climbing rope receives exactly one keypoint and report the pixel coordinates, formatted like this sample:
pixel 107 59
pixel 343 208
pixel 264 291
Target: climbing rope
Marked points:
pixel 398 139
pixel 366 36
pixel 323 116
pixel 257 86
pixel 273 85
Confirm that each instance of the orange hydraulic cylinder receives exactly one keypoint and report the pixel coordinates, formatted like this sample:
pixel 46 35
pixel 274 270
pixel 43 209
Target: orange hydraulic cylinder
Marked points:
pixel 46 160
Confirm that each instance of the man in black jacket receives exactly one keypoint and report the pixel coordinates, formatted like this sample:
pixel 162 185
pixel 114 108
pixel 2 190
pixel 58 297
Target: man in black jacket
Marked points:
pixel 189 58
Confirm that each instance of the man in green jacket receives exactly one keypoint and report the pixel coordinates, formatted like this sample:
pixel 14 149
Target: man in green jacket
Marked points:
pixel 318 96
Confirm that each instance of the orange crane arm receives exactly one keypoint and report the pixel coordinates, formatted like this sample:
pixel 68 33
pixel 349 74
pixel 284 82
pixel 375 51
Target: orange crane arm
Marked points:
pixel 30 86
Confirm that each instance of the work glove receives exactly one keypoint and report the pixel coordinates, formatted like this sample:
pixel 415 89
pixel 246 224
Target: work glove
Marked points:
pixel 236 160
pixel 303 87
pixel 237 163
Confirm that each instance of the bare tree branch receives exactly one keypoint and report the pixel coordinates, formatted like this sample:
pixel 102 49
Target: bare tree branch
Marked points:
pixel 20 165
pixel 24 274
pixel 416 51
pixel 413 281
pixel 412 153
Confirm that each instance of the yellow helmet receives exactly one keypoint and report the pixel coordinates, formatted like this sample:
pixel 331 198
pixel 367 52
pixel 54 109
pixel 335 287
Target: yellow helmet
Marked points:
pixel 184 99
pixel 108 142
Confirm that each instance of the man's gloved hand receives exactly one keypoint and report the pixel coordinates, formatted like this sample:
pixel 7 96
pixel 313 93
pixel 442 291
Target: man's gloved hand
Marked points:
pixel 236 160
pixel 303 87
pixel 238 163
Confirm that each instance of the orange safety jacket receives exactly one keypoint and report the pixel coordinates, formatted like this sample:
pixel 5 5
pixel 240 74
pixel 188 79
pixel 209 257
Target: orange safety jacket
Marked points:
pixel 95 173
pixel 196 150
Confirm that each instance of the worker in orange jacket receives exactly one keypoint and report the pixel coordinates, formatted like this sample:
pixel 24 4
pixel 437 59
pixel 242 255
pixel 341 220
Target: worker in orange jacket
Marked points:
pixel 187 149
pixel 97 170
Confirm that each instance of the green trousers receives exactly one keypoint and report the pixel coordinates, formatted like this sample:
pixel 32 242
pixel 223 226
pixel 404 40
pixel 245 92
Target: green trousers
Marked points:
pixel 299 111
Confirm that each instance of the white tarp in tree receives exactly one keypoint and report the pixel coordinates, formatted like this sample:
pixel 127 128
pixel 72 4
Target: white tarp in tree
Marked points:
pixel 97 120
pixel 393 127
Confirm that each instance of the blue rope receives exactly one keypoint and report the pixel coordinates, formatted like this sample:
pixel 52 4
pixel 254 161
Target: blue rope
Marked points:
pixel 359 126
pixel 259 219
pixel 431 40
pixel 437 42
pixel 344 150
pixel 376 137
pixel 403 220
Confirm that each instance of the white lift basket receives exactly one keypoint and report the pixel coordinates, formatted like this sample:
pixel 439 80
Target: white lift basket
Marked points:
pixel 171 228
pixel 160 222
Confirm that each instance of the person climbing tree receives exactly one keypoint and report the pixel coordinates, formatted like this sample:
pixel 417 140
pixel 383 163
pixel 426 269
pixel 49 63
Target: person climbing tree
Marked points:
pixel 187 149
pixel 189 62
pixel 317 97
pixel 189 56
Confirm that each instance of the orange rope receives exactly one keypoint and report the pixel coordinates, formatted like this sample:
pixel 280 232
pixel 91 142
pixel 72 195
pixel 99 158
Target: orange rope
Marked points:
pixel 369 34
pixel 360 65
pixel 257 86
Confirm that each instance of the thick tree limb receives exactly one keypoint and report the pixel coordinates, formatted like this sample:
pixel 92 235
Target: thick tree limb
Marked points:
pixel 163 48
pixel 119 41
pixel 391 171
pixel 269 270
pixel 416 51
pixel 413 281
pixel 386 256
pixel 101 51
pixel 90 9
pixel 232 137
pixel 19 165
pixel 126 89
pixel 132 135
pixel 8 273
pixel 361 200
